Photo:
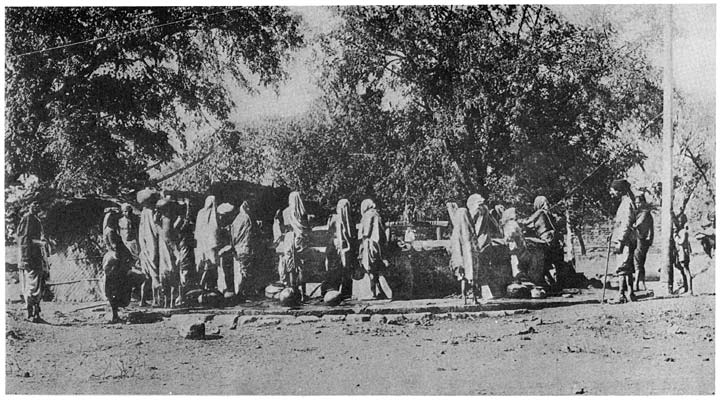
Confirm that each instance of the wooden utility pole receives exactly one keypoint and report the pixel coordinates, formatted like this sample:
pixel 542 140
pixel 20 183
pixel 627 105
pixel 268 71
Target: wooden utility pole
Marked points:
pixel 667 172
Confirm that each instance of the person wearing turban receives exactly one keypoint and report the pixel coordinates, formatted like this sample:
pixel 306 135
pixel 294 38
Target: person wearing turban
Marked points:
pixel 624 238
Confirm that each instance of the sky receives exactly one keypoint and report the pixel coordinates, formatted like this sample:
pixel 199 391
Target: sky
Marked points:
pixel 694 53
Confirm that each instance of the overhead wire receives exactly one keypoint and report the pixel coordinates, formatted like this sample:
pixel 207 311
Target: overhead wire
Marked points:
pixel 121 34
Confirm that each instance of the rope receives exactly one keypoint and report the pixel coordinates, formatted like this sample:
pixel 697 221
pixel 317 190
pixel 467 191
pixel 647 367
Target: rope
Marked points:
pixel 121 34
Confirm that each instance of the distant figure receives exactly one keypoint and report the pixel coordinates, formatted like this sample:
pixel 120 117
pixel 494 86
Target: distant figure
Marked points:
pixel 167 251
pixel 408 216
pixel 30 239
pixel 372 247
pixel 341 254
pixel 244 234
pixel 682 244
pixel 185 229
pixel 644 225
pixel 463 248
pixel 706 236
pixel 148 240
pixel 206 237
pixel 296 230
pixel 485 228
pixel 624 238
pixel 119 278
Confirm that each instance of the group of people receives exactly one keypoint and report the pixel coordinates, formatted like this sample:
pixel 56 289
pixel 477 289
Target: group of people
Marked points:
pixel 177 254
pixel 633 235
pixel 483 240
pixel 174 254
pixel 348 247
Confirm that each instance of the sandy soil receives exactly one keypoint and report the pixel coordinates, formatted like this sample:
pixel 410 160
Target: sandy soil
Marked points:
pixel 650 347
pixel 655 346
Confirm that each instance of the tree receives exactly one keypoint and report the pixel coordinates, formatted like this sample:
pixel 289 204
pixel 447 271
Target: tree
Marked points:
pixel 505 97
pixel 94 94
pixel 428 104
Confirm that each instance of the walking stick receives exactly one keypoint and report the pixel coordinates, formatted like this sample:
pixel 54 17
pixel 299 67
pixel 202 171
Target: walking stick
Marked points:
pixel 607 264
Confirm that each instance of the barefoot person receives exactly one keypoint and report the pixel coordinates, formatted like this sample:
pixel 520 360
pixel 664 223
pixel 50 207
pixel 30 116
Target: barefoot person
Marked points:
pixel 682 244
pixel 624 238
pixel 644 225
pixel 30 238
pixel 116 265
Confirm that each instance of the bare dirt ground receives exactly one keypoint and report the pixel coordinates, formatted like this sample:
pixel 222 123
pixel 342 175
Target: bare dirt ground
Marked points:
pixel 657 346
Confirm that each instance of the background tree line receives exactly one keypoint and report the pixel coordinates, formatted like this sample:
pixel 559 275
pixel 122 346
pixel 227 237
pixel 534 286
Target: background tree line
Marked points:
pixel 420 104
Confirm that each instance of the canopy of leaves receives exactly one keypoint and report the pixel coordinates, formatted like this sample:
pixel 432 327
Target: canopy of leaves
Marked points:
pixel 441 101
pixel 426 105
pixel 87 117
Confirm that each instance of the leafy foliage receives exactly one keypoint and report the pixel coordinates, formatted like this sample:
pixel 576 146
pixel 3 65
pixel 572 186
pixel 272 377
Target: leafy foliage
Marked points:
pixel 87 117
pixel 444 100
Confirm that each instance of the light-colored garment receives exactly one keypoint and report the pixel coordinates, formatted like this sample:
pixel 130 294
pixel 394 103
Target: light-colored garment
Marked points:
pixel 206 234
pixel 372 236
pixel 463 250
pixel 297 232
pixel 148 238
pixel 295 220
pixel 242 231
pixel 33 284
pixel 206 227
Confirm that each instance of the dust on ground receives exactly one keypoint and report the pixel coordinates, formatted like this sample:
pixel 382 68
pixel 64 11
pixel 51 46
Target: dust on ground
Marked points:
pixel 655 346
pixel 650 347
